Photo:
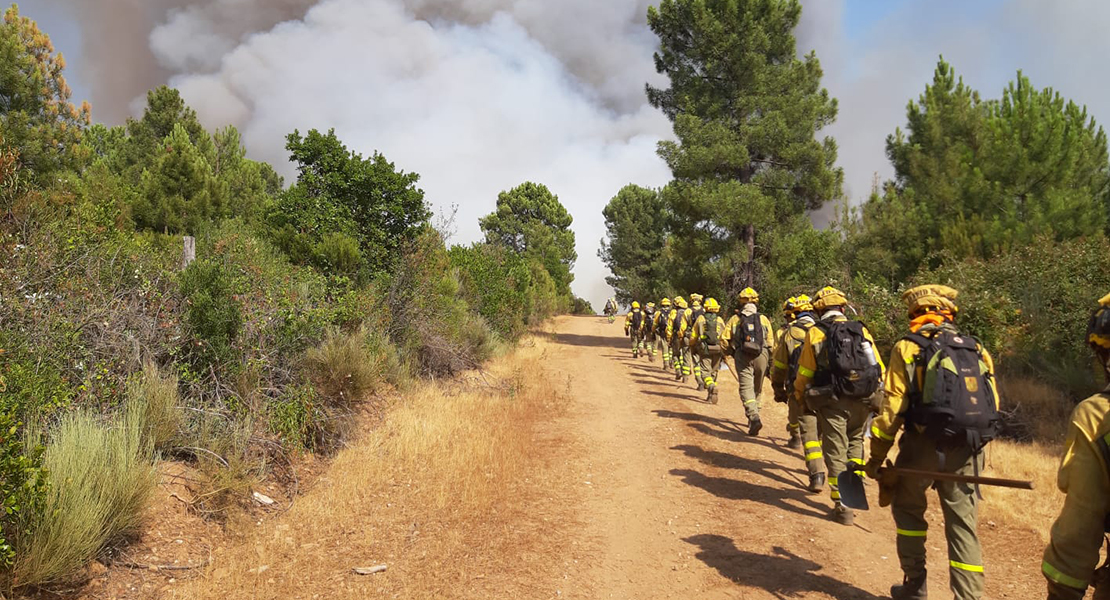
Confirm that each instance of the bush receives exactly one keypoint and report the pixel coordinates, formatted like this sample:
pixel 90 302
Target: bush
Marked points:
pixel 343 367
pixel 22 486
pixel 100 478
pixel 155 397
pixel 214 317
pixel 582 307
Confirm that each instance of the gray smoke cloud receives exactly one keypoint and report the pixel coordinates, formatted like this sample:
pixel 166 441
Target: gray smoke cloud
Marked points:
pixel 480 95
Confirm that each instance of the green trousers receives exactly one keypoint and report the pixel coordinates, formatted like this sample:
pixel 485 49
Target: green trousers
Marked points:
pixel 649 344
pixel 709 367
pixel 752 371
pixel 637 342
pixel 803 421
pixel 958 505
pixel 680 357
pixel 841 423
pixel 664 350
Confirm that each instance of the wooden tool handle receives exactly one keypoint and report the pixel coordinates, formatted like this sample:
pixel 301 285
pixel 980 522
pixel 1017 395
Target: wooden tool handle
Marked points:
pixel 991 481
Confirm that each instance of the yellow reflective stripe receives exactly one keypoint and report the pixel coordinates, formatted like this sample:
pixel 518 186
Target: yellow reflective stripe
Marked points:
pixel 965 567
pixel 814 455
pixel 747 402
pixel 835 495
pixel 834 481
pixel 879 433
pixel 858 461
pixel 813 445
pixel 779 364
pixel 1055 575
pixel 912 532
pixel 805 372
pixel 793 426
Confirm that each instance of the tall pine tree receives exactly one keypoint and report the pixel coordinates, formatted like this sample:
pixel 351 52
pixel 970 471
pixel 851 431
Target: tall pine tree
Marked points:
pixel 747 161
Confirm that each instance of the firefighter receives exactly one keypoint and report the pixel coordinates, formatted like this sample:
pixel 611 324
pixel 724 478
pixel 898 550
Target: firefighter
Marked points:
pixel 706 340
pixel 1073 551
pixel 838 389
pixel 749 336
pixel 803 421
pixel 634 329
pixel 674 325
pixel 660 326
pixel 649 331
pixel 970 420
pixel 690 352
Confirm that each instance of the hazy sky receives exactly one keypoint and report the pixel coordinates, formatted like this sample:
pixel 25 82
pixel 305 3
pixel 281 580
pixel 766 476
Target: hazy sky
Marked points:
pixel 480 95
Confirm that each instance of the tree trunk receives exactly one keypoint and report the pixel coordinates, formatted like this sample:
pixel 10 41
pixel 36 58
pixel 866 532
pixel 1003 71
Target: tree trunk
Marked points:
pixel 749 233
pixel 188 251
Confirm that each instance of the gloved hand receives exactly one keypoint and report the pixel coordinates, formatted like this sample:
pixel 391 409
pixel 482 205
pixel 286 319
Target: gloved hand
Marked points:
pixel 625 331
pixel 872 467
pixel 781 397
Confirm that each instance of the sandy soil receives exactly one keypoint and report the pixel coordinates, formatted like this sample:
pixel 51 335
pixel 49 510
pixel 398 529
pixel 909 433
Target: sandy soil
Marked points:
pixel 638 490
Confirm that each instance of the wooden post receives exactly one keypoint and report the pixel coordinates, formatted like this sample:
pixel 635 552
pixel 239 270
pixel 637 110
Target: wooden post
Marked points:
pixel 189 252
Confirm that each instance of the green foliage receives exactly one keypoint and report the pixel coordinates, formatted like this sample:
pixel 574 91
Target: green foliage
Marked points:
pixel 214 317
pixel 977 178
pixel 582 307
pixel 296 416
pixel 530 221
pixel 497 283
pixel 36 116
pixel 343 367
pixel 22 484
pixel 340 192
pixel 747 161
pixel 636 224
pixel 179 191
pixel 100 477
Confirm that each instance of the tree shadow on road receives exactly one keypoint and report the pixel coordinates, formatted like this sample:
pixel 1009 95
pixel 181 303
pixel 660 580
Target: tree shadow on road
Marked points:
pixel 723 460
pixel 785 574
pixel 691 397
pixel 736 489
pixel 724 429
pixel 593 341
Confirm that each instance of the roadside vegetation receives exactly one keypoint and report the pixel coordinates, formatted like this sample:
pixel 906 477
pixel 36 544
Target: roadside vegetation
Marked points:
pixel 304 302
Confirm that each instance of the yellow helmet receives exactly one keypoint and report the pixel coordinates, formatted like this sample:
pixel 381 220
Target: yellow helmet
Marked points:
pixel 930 298
pixel 789 306
pixel 829 297
pixel 679 302
pixel 803 303
pixel 711 305
pixel 665 302
pixel 651 305
pixel 696 298
pixel 635 305
pixel 1098 328
pixel 748 295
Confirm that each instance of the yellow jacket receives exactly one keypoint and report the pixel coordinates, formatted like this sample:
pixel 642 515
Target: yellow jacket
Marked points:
pixel 813 348
pixel 1073 552
pixel 700 329
pixel 732 345
pixel 672 323
pixel 789 338
pixel 890 419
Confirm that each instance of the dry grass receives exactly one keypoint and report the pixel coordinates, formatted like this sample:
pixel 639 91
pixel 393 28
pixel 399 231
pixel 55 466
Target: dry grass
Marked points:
pixel 445 491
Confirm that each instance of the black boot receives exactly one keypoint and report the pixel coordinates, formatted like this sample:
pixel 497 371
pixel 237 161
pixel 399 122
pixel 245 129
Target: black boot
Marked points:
pixel 816 482
pixel 795 441
pixel 843 515
pixel 754 426
pixel 911 589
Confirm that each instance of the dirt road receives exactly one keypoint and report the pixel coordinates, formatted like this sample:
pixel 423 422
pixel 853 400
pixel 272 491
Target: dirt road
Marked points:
pixel 682 503
pixel 597 477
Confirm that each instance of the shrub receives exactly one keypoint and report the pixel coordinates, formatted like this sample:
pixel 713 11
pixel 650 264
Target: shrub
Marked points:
pixel 343 367
pixel 100 478
pixel 298 419
pixel 155 397
pixel 22 486
pixel 214 317
pixel 582 307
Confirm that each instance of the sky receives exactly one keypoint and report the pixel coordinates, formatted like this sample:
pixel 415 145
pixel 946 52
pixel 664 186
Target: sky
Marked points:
pixel 478 96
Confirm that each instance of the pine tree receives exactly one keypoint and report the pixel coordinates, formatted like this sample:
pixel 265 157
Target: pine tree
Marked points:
pixel 636 227
pixel 746 112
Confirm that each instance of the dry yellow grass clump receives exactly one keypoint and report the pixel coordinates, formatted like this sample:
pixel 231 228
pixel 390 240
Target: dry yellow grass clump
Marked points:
pixel 449 485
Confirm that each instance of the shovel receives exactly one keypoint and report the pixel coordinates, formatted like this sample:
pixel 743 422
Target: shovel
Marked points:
pixel 853 496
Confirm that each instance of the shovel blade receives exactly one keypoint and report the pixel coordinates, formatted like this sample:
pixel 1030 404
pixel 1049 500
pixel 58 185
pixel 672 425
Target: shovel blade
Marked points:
pixel 852 493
